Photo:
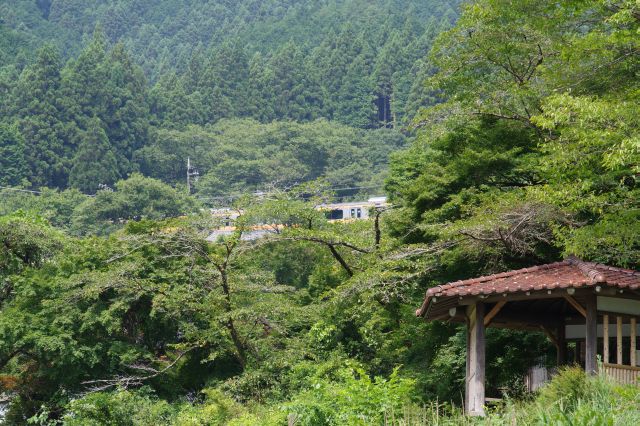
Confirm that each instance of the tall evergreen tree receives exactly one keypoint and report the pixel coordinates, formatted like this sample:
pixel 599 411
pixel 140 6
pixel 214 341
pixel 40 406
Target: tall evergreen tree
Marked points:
pixel 298 92
pixel 39 106
pixel 127 115
pixel 225 81
pixel 171 105
pixel 389 78
pixel 85 80
pixel 13 164
pixel 108 85
pixel 95 162
pixel 261 90
pixel 355 104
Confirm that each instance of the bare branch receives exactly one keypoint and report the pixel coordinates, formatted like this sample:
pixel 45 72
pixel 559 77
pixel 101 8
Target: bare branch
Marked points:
pixel 126 382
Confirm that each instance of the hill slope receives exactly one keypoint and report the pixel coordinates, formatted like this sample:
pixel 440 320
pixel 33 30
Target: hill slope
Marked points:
pixel 86 84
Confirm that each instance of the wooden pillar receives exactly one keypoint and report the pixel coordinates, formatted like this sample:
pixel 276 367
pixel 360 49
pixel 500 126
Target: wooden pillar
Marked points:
pixel 467 373
pixel 632 353
pixel 474 389
pixel 605 339
pixel 561 354
pixel 591 343
pixel 619 340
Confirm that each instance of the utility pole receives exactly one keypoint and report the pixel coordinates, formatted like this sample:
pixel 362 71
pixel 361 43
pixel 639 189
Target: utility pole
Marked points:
pixel 192 172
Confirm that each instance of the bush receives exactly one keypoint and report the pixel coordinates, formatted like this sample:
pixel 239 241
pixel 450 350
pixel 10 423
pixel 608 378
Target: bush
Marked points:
pixel 572 398
pixel 141 408
pixel 120 408
pixel 354 400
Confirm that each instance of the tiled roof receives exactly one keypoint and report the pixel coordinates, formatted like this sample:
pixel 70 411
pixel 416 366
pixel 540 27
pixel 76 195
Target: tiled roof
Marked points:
pixel 571 272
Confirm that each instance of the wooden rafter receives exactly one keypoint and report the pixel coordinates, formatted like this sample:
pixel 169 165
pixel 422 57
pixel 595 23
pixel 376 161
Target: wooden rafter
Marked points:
pixel 578 307
pixel 493 312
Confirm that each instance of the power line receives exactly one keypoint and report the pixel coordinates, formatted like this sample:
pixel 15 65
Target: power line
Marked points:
pixel 20 190
pixel 356 187
pixel 214 197
pixel 240 194
pixel 33 191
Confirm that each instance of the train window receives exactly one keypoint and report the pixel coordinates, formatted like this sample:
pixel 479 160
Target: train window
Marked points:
pixel 335 215
pixel 353 213
pixel 359 213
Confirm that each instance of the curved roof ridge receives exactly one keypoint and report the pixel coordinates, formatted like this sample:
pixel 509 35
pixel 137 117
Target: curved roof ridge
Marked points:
pixel 593 268
pixel 588 269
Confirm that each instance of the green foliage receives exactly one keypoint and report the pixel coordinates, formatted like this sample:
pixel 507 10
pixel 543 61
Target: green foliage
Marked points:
pixel 142 408
pixel 27 241
pixel 36 105
pixel 94 163
pixel 12 157
pixel 354 399
pixel 135 198
pixel 573 398
pixel 83 112
pixel 279 60
pixel 121 408
pixel 570 398
pixel 530 153
pixel 610 240
pixel 510 123
pixel 57 207
pixel 234 156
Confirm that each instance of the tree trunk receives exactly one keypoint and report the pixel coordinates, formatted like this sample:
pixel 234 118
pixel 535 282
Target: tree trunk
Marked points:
pixel 233 331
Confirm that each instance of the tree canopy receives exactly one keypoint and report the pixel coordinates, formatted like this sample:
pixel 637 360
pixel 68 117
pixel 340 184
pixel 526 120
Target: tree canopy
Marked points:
pixel 506 138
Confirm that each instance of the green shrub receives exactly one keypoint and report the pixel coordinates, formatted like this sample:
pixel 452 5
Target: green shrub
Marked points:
pixel 567 389
pixel 573 398
pixel 356 399
pixel 120 408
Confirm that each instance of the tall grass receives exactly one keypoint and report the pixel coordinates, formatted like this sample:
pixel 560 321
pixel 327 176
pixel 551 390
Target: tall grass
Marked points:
pixel 570 399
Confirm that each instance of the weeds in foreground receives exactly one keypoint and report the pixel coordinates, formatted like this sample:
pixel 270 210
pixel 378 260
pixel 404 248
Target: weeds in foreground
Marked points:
pixel 570 399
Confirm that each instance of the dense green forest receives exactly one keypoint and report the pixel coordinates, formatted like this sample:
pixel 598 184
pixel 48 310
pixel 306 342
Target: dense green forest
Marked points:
pixel 506 134
pixel 93 82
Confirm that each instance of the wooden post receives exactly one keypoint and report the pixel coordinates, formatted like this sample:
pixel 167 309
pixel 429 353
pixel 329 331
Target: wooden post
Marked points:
pixel 591 343
pixel 468 360
pixel 474 395
pixel 619 340
pixel 605 339
pixel 632 353
pixel 561 353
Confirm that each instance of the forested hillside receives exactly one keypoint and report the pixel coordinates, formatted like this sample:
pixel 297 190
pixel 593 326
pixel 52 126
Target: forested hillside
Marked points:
pixel 91 82
pixel 506 135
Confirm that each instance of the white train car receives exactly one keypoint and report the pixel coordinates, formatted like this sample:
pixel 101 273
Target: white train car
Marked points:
pixel 353 210
pixel 335 212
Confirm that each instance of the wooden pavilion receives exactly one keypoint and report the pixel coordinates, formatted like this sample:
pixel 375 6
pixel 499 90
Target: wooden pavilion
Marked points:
pixel 573 300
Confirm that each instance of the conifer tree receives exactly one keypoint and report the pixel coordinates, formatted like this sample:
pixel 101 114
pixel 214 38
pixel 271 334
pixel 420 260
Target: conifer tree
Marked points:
pixel 170 104
pixel 39 107
pixel 226 79
pixel 298 92
pixel 355 98
pixel 94 163
pixel 261 90
pixel 13 165
pixel 389 80
pixel 127 115
pixel 108 85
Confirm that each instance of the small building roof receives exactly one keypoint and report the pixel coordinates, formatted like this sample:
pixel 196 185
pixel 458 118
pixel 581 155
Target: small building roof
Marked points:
pixel 570 273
